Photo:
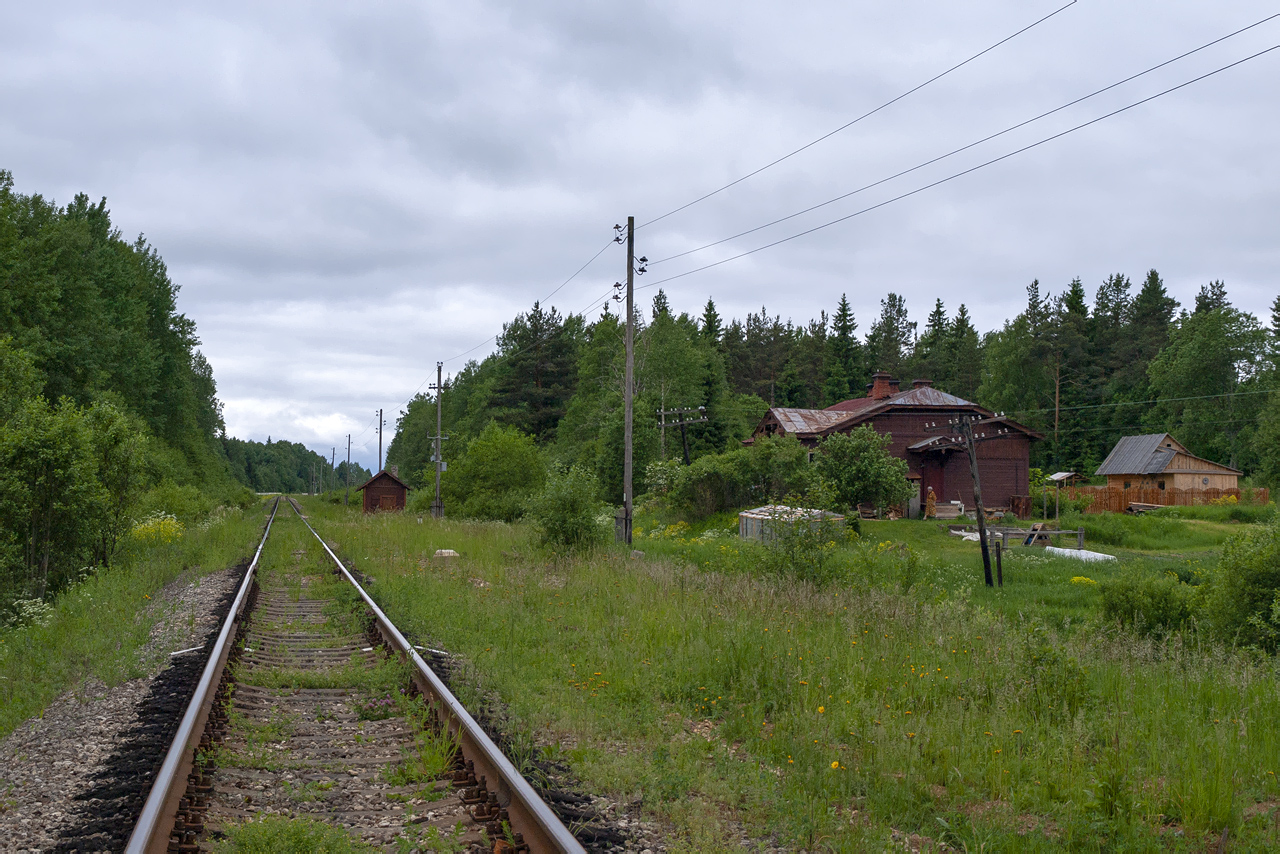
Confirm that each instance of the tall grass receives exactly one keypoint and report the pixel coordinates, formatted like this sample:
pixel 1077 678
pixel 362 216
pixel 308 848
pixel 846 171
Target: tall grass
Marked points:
pixel 829 716
pixel 99 627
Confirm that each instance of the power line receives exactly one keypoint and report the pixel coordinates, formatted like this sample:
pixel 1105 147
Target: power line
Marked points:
pixel 850 124
pixel 960 174
pixel 964 148
pixel 494 337
pixel 1140 402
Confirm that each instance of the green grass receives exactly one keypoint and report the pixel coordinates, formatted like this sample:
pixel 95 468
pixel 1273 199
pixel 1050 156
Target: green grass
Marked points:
pixel 966 715
pixel 280 835
pixel 98 628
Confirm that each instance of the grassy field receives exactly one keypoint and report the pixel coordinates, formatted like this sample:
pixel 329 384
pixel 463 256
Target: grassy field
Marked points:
pixel 100 626
pixel 908 699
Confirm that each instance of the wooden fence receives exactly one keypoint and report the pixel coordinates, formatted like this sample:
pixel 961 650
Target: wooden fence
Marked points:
pixel 1108 500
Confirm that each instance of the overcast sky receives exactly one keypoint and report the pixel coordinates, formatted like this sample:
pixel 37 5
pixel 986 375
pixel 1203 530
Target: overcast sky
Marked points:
pixel 347 193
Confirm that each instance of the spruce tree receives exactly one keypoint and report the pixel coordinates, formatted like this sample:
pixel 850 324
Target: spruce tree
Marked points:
pixel 843 356
pixel 711 326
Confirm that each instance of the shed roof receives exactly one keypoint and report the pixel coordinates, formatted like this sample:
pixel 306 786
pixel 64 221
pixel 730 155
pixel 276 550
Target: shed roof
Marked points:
pixel 784 513
pixel 1149 453
pixel 384 473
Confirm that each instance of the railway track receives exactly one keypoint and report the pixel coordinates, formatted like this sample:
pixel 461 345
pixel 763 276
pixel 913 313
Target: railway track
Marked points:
pixel 314 706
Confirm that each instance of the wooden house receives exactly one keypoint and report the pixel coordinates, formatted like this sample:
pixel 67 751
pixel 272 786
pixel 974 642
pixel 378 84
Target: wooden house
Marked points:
pixel 916 419
pixel 1157 461
pixel 384 491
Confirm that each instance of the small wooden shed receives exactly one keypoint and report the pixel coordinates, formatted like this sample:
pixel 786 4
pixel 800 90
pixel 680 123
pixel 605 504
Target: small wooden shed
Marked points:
pixel 384 491
pixel 1159 461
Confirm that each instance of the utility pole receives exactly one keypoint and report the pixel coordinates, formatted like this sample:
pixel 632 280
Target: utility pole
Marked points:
pixel 964 424
pixel 333 472
pixel 630 379
pixel 379 440
pixel 346 501
pixel 437 506
pixel 682 422
pixel 623 529
pixel 966 428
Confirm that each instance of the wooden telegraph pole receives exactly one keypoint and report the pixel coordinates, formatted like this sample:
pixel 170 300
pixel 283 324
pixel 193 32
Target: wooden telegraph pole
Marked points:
pixel 346 501
pixel 437 506
pixel 623 529
pixel 690 418
pixel 629 382
pixel 379 440
pixel 966 428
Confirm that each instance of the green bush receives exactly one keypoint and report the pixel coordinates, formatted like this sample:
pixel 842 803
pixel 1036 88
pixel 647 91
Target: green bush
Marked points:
pixel 500 471
pixel 761 473
pixel 861 470
pixel 567 512
pixel 1148 602
pixel 1244 597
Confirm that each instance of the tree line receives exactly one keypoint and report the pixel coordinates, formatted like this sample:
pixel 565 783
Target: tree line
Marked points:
pixel 108 410
pixel 1083 373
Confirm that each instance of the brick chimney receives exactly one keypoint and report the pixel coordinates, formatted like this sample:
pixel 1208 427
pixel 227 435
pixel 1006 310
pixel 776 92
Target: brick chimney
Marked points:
pixel 922 383
pixel 882 385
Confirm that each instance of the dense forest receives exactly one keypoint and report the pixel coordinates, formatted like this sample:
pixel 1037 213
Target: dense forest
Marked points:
pixel 1083 373
pixel 108 411
pixel 282 466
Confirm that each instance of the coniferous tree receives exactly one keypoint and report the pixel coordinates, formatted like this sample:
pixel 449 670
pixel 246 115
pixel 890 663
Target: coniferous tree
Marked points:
pixel 535 377
pixel 844 362
pixel 963 356
pixel 891 337
pixel 929 358
pixel 711 326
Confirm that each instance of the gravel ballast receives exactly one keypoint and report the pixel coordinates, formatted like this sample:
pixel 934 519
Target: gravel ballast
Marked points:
pixel 69 776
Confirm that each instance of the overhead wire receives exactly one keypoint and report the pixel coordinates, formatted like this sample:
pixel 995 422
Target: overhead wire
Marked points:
pixel 964 148
pixel 959 174
pixel 850 124
pixel 494 337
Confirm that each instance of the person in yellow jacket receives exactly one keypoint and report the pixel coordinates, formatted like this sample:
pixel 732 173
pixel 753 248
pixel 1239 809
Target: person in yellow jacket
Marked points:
pixel 930 505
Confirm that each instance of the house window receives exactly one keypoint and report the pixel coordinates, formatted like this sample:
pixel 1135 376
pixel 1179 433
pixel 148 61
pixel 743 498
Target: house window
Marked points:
pixel 1160 484
pixel 811 456
pixel 1126 484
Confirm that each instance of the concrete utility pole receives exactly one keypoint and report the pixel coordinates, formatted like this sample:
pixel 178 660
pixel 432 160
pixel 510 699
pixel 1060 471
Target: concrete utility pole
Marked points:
pixel 437 506
pixel 379 440
pixel 346 501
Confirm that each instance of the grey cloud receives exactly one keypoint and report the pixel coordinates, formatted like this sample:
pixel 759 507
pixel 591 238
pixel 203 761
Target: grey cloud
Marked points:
pixel 348 193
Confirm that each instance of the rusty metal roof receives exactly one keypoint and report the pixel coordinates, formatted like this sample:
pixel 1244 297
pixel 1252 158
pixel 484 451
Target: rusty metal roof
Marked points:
pixel 924 396
pixel 806 421
pixel 381 474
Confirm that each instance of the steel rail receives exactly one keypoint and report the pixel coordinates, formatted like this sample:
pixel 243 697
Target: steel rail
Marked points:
pixel 155 823
pixel 530 815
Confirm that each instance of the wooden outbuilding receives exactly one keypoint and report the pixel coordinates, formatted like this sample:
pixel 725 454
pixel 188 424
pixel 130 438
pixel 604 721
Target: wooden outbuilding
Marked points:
pixel 916 419
pixel 1159 462
pixel 384 491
